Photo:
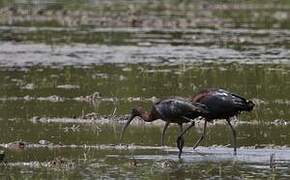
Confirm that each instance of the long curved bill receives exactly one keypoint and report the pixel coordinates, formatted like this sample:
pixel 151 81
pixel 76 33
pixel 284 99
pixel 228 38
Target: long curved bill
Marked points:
pixel 126 125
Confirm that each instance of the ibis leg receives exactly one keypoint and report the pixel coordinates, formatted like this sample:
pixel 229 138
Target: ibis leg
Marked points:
pixel 180 140
pixel 186 129
pixel 202 136
pixel 163 132
pixel 234 136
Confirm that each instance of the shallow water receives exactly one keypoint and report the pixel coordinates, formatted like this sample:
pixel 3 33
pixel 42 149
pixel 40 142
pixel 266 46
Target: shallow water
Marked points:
pixel 137 162
pixel 49 103
pixel 66 88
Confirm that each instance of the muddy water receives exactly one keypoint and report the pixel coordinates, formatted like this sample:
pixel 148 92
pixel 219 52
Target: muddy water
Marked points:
pixel 49 103
pixel 66 88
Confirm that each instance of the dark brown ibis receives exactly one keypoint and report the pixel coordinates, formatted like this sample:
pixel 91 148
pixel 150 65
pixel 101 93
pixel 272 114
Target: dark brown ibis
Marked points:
pixel 171 110
pixel 221 104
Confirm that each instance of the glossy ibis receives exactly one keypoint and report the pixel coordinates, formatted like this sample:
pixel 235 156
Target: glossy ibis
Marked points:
pixel 221 104
pixel 171 110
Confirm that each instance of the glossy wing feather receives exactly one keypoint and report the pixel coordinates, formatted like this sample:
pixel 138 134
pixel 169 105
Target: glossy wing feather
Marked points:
pixel 221 103
pixel 173 109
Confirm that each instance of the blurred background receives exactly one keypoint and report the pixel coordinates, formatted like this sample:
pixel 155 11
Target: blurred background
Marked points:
pixel 71 70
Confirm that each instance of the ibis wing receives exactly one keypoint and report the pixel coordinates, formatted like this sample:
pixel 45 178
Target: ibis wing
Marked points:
pixel 175 108
pixel 222 103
